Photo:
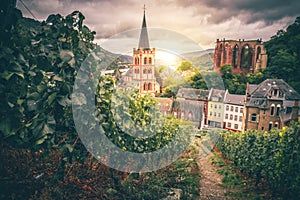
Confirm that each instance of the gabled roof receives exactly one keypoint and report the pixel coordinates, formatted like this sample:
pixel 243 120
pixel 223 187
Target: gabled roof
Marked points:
pixel 191 93
pixel 235 99
pixel 217 95
pixel 158 78
pixel 144 40
pixel 266 87
pixel 251 88
pixel 165 103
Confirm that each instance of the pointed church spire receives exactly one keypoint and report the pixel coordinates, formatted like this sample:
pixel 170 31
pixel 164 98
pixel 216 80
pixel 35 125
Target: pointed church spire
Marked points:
pixel 144 40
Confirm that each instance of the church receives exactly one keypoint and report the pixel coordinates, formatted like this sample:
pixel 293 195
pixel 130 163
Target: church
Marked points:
pixel 142 75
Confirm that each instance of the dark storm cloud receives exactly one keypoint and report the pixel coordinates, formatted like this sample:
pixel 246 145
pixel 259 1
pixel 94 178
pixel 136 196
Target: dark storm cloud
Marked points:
pixel 201 20
pixel 249 11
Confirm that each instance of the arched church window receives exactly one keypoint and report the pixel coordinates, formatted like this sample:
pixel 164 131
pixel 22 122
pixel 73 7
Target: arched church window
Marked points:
pixel 150 61
pixel 145 60
pixel 149 86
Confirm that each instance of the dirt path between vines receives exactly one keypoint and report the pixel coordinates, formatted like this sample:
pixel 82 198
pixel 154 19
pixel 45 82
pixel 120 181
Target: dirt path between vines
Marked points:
pixel 210 181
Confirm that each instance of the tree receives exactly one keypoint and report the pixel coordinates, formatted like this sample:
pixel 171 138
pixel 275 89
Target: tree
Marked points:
pixel 185 66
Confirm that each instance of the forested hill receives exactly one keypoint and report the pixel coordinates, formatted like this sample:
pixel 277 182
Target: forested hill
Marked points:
pixel 284 55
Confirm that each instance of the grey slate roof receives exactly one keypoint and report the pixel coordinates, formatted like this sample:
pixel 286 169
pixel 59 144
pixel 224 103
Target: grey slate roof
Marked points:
pixel 193 94
pixel 251 88
pixel 165 104
pixel 158 78
pixel 217 95
pixel 144 40
pixel 235 99
pixel 265 87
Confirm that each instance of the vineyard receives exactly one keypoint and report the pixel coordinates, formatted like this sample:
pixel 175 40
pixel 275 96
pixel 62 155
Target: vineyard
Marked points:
pixel 43 157
pixel 270 159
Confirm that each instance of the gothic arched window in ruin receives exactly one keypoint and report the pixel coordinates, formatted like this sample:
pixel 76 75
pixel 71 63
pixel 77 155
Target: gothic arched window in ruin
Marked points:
pixel 219 56
pixel 225 53
pixel 258 52
pixel 235 56
pixel 246 57
pixel 150 61
pixel 145 60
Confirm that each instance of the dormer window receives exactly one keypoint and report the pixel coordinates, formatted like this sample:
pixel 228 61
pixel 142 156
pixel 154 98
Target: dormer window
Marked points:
pixel 275 92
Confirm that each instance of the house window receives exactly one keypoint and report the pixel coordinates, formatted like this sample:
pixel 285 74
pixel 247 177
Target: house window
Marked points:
pixel 235 117
pixel 215 106
pixel 231 117
pixel 236 109
pixel 253 117
pixel 272 110
pixel 219 114
pixel 231 108
pixel 270 126
pixel 226 116
pixel 241 110
pixel 276 125
pixel 215 114
pixel 219 106
pixel 236 126
pixel 227 107
pixel 262 128
pixel 240 118
pixel 277 110
pixel 229 125
pixel 210 114
pixel 211 105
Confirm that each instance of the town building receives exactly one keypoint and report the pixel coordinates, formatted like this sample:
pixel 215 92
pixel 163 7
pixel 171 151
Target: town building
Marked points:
pixel 165 105
pixel 215 108
pixel 233 112
pixel 271 104
pixel 191 104
pixel 245 56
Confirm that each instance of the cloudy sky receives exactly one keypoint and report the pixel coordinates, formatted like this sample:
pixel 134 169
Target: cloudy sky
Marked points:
pixel 203 21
